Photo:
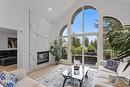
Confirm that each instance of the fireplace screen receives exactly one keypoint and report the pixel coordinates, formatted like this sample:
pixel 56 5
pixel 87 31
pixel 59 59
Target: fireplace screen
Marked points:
pixel 42 57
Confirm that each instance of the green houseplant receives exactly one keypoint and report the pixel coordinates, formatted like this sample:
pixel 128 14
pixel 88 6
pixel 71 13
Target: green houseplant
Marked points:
pixel 120 43
pixel 56 50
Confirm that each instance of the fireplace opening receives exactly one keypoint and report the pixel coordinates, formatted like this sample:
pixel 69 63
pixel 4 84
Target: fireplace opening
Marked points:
pixel 42 57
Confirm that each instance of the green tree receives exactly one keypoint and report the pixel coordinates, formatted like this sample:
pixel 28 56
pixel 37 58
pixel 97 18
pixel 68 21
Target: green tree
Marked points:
pixel 86 41
pixel 75 42
pixel 95 43
pixel 92 43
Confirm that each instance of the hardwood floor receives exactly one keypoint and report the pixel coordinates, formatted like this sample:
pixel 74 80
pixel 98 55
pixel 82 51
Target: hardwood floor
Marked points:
pixel 8 68
pixel 38 73
pixel 35 74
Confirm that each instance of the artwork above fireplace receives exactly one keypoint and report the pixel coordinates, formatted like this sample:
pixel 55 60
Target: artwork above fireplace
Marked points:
pixel 42 57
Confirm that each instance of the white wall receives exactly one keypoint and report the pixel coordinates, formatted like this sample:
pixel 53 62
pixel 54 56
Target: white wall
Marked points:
pixel 4 35
pixel 15 16
pixel 41 34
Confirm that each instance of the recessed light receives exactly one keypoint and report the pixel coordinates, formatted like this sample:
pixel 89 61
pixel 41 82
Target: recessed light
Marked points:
pixel 50 9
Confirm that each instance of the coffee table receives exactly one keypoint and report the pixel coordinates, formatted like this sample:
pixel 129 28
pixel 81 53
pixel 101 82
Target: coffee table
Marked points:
pixel 70 74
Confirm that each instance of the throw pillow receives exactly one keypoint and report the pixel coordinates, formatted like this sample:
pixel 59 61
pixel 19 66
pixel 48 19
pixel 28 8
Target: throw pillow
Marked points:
pixel 7 79
pixel 112 65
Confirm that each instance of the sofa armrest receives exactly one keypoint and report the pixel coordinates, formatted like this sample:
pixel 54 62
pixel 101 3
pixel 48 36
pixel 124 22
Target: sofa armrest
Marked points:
pixel 20 74
pixel 102 62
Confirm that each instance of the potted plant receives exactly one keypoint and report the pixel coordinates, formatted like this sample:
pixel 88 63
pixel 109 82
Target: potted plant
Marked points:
pixel 56 50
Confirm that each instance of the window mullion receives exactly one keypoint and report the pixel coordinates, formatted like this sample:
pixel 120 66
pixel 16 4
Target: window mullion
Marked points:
pixel 83 36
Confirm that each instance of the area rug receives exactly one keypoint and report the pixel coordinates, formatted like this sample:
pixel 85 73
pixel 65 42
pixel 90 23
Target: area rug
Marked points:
pixel 55 78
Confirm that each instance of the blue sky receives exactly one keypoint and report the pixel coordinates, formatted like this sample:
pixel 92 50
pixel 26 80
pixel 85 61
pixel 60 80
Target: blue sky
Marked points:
pixel 90 17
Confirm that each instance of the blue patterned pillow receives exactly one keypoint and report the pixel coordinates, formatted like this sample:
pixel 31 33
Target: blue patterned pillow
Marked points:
pixel 7 79
pixel 112 65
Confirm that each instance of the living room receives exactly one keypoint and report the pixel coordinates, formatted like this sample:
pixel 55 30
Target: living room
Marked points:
pixel 54 35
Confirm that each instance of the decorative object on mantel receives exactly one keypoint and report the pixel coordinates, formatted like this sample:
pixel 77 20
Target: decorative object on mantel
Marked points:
pixel 56 50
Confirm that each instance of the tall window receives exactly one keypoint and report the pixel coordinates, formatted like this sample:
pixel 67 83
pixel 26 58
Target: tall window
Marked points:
pixel 112 28
pixel 84 35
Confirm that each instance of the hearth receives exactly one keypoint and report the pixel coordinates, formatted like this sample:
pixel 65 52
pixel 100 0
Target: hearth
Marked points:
pixel 42 57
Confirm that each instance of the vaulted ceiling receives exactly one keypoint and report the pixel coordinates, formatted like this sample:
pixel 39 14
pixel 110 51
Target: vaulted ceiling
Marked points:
pixel 59 7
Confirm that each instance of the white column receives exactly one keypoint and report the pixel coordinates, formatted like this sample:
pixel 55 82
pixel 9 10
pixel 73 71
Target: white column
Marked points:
pixel 19 49
pixel 83 36
pixel 100 39
pixel 69 57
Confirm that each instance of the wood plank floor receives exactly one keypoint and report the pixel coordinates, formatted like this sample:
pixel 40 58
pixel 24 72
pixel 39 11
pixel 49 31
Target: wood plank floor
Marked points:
pixel 38 73
pixel 8 68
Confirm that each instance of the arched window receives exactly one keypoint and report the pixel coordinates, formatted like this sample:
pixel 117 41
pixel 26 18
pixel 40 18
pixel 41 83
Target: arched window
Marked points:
pixel 84 35
pixel 112 28
pixel 64 31
pixel 64 36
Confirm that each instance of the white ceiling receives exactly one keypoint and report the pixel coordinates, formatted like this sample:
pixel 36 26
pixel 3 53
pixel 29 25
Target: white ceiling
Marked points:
pixel 59 7
pixel 125 1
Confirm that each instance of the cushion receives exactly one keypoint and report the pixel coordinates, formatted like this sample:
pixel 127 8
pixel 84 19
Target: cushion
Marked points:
pixel 101 82
pixel 102 68
pixel 112 65
pixel 19 73
pixel 120 69
pixel 7 79
pixel 105 75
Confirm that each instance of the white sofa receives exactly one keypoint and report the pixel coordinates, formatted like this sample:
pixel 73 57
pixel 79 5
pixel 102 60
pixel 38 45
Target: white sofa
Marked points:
pixel 23 80
pixel 102 77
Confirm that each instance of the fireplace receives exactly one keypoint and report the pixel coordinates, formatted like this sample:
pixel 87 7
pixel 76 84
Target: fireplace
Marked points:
pixel 42 57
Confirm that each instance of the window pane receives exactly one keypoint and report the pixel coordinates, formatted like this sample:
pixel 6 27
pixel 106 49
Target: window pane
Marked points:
pixel 90 20
pixel 65 33
pixel 64 48
pixel 76 48
pixel 77 25
pixel 90 51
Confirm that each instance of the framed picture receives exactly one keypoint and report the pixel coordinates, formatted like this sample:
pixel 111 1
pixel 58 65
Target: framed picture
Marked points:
pixel 12 42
